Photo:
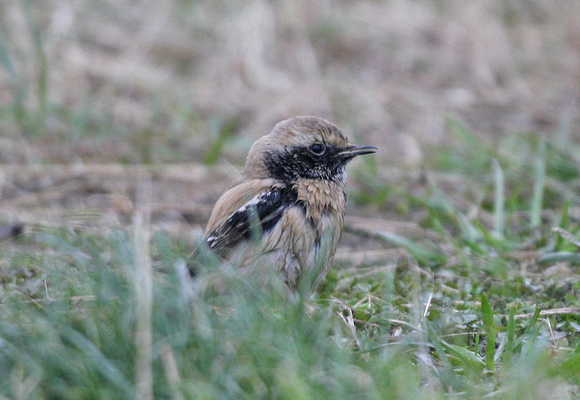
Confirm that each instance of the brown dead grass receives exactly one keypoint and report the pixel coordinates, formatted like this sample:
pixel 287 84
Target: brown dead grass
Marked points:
pixel 164 75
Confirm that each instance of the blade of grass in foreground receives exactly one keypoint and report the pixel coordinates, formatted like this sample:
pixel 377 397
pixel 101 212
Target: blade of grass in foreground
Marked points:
pixel 100 361
pixel 509 350
pixel 489 328
pixel 143 297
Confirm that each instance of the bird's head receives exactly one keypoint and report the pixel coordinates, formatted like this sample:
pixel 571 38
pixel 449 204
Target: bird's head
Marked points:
pixel 302 147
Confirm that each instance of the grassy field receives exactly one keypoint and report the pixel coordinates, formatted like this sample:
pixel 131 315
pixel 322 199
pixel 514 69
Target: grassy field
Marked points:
pixel 457 275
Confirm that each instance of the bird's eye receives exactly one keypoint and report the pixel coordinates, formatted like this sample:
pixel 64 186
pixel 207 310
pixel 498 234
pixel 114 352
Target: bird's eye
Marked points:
pixel 317 149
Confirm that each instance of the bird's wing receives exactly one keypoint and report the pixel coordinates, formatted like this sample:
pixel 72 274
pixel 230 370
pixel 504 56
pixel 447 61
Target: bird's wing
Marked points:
pixel 251 207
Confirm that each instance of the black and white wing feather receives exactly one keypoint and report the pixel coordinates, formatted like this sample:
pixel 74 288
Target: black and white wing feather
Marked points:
pixel 256 217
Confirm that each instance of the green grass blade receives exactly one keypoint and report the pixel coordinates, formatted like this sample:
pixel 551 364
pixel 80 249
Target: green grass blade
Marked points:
pixel 564 221
pixel 540 179
pixel 499 198
pixel 509 349
pixel 468 358
pixel 489 328
pixel 225 132
pixel 570 367
pixel 564 234
pixel 559 256
pixel 42 65
pixel 105 366
pixel 446 374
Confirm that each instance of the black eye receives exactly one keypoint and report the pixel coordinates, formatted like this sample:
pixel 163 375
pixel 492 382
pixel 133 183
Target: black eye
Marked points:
pixel 317 148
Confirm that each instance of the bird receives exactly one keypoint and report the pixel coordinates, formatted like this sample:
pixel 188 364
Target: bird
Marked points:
pixel 286 213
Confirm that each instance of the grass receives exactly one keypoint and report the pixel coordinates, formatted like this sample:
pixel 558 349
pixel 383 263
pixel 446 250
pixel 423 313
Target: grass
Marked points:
pixel 114 314
pixel 484 302
pixel 488 309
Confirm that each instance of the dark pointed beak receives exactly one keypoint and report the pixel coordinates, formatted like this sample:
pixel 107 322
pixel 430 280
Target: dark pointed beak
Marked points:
pixel 354 150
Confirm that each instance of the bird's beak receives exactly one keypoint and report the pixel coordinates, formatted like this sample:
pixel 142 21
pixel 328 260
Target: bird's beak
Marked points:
pixel 354 150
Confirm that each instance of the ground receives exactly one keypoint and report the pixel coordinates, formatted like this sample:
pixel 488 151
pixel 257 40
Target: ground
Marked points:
pixel 456 276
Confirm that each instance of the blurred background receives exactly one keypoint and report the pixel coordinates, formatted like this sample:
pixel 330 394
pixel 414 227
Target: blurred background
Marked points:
pixel 158 81
pixel 176 81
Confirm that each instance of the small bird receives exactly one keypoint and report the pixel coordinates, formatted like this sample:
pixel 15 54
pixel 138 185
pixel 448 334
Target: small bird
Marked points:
pixel 287 212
